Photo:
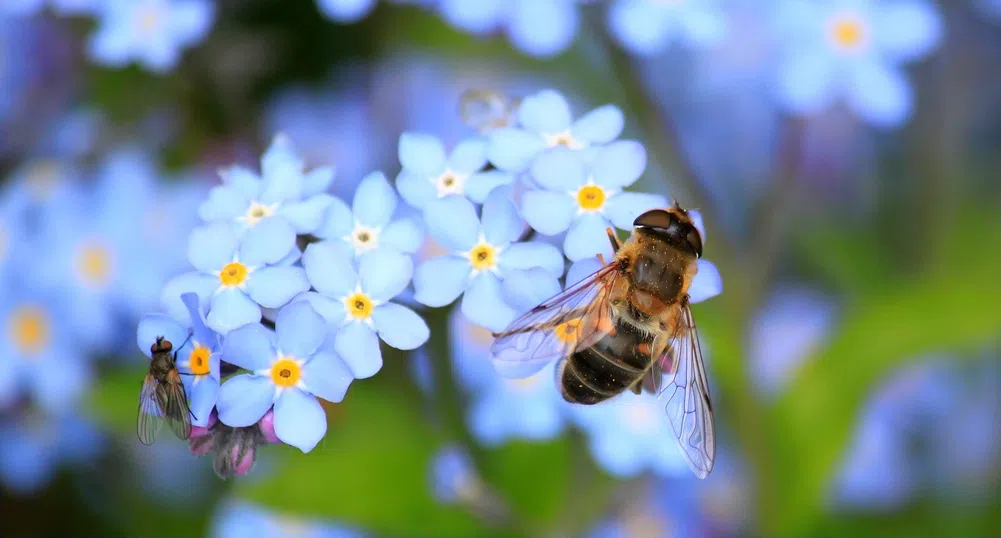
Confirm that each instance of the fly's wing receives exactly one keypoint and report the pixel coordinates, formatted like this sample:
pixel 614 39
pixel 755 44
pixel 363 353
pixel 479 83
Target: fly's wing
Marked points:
pixel 571 320
pixel 686 397
pixel 151 410
pixel 485 110
pixel 178 413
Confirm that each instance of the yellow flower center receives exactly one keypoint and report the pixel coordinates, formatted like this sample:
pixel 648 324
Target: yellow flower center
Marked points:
pixel 449 183
pixel 364 239
pixel 199 360
pixel 148 18
pixel 94 264
pixel 285 372
pixel 567 331
pixel 256 212
pixel 233 274
pixel 564 139
pixel 28 328
pixel 847 32
pixel 591 198
pixel 359 305
pixel 483 257
pixel 640 417
pixel 525 384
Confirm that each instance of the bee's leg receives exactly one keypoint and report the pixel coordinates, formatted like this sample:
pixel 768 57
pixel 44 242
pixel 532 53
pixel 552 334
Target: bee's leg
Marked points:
pixel 612 239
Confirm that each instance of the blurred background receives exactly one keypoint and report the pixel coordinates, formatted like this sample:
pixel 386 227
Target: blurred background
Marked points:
pixel 844 154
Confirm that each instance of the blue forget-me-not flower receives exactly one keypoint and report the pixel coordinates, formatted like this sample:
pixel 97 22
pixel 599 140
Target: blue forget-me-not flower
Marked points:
pixel 151 32
pixel 198 357
pixel 429 172
pixel 236 276
pixel 288 369
pixel 282 192
pixel 346 10
pixel 355 298
pixel 369 224
pixel 545 122
pixel 484 252
pixel 587 197
pixel 34 444
pixel 852 50
pixel 238 519
pixel 536 27
pixel 648 26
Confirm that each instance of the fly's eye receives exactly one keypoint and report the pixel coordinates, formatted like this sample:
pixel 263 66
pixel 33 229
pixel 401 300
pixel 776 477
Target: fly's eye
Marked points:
pixel 695 239
pixel 655 218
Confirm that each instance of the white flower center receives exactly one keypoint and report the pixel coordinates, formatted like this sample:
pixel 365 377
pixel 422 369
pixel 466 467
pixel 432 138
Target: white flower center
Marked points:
pixel 563 139
pixel 149 17
pixel 641 417
pixel 256 212
pixel 363 238
pixel 449 183
pixel 523 385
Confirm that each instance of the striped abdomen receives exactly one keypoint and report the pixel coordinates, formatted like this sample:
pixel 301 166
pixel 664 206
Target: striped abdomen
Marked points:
pixel 608 367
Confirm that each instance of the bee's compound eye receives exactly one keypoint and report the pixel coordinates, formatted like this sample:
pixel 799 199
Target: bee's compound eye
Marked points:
pixel 695 239
pixel 655 218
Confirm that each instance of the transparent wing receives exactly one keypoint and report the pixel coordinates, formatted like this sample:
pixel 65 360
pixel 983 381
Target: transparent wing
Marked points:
pixel 686 397
pixel 150 410
pixel 574 319
pixel 485 110
pixel 178 413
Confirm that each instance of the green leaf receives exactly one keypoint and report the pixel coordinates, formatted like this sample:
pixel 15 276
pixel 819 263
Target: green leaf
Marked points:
pixel 114 401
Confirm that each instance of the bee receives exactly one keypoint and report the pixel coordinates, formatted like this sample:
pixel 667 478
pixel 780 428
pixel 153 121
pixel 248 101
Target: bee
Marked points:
pixel 628 326
pixel 486 110
pixel 162 396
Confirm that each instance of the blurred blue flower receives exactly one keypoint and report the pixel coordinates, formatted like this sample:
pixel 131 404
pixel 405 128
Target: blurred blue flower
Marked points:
pixel 354 298
pixel 282 193
pixel 61 7
pixel 546 122
pixel 346 10
pixel 33 445
pixel 630 434
pixel 484 252
pixel 151 32
pixel 853 50
pixel 287 369
pixel 429 173
pixel 587 197
pixel 198 357
pixel 536 27
pixel 236 276
pixel 648 26
pixel 34 355
pixel 240 519
pixel 453 476
pixel 369 225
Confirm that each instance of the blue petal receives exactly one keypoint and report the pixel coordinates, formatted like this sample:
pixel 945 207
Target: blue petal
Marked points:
pixel 532 254
pixel 306 216
pixel 329 268
pixel 242 180
pixel 545 112
pixel 484 305
pixel 525 289
pixel 385 273
pixel 346 11
pixel 501 223
pixel 300 330
pixel 469 156
pixel 807 81
pixel 273 287
pixel 400 326
pixel 202 397
pixel 299 419
pixel 232 308
pixel 559 169
pixel 404 235
pixel 422 154
pixel 282 171
pixel 198 283
pixel 60 382
pixel 153 325
pixel 599 126
pixel 696 217
pixel 452 222
pixel 326 376
pixel 543 27
pixel 243 400
pixel 623 208
pixel 358 345
pixel 476 17
pixel 480 185
pixel 416 190
pixel 267 242
pixel 318 180
pixel 439 281
pixel 338 221
pixel 641 26
pixel 332 310
pixel 250 347
pixel 512 150
pixel 212 246
pixel 907 31
pixel 374 201
pixel 707 282
pixel 586 237
pixel 548 212
pixel 618 164
pixel 584 269
pixel 224 203
pixel 880 94
pixel 200 332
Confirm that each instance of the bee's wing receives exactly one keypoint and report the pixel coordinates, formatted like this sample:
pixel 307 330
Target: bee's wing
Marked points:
pixel 484 109
pixel 539 336
pixel 178 413
pixel 151 410
pixel 686 397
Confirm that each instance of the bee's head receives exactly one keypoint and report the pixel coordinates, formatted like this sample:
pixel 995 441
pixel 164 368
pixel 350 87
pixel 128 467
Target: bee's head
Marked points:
pixel 161 345
pixel 673 225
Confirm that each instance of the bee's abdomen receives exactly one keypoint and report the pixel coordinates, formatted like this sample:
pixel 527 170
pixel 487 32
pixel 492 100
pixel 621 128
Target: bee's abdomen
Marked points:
pixel 606 368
